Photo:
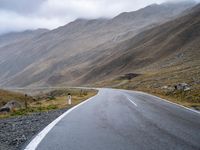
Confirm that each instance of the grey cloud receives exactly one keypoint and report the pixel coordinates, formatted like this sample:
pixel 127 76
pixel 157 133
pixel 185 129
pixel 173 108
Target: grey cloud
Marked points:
pixel 18 15
pixel 21 6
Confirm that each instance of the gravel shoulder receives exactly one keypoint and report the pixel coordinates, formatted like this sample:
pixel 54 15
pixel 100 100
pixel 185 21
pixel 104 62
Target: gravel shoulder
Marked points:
pixel 15 132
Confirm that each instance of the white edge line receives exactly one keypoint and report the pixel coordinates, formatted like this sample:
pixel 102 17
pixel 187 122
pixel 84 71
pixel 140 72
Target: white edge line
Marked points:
pixel 198 112
pixel 39 137
pixel 132 102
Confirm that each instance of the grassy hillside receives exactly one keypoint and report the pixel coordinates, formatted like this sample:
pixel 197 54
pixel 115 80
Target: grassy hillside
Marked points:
pixel 47 101
pixel 154 81
pixel 6 96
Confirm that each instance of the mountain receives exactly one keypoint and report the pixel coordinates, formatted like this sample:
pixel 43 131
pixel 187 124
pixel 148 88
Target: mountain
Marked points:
pixel 170 46
pixel 15 37
pixel 86 50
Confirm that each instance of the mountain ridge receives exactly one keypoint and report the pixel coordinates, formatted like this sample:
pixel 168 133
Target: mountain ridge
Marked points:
pixel 71 53
pixel 179 35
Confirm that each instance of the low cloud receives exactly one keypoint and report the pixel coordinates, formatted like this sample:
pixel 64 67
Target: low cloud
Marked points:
pixel 10 22
pixel 18 15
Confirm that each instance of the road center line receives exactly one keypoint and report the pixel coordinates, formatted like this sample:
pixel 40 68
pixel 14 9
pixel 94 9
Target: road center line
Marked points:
pixel 132 102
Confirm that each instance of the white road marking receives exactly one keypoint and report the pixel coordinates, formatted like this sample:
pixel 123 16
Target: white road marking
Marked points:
pixel 132 102
pixel 36 141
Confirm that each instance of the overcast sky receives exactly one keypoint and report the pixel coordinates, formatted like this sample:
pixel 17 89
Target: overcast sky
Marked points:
pixel 18 15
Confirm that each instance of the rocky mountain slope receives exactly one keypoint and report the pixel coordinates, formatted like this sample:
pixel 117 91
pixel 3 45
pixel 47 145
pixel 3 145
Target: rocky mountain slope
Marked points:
pixel 174 43
pixel 84 51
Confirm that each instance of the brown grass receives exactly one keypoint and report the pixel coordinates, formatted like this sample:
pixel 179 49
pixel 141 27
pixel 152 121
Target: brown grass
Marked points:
pixel 6 96
pixel 53 100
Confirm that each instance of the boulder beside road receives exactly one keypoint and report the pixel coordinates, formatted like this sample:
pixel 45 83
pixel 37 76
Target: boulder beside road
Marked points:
pixel 179 87
pixel 10 106
pixel 182 87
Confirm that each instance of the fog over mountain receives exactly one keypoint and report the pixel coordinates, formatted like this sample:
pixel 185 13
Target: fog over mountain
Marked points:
pixel 19 15
pixel 86 50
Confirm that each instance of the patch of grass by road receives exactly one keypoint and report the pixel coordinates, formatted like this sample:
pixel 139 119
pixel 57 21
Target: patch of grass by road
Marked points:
pixel 189 99
pixel 56 99
pixel 6 96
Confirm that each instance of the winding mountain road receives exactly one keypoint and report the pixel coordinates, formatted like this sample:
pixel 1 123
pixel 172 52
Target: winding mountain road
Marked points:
pixel 123 120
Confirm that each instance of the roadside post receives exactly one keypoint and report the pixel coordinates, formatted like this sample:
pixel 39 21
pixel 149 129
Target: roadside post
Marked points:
pixel 25 101
pixel 69 99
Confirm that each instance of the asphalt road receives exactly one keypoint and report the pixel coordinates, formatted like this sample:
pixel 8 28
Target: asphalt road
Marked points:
pixel 122 120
